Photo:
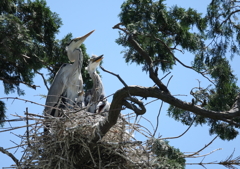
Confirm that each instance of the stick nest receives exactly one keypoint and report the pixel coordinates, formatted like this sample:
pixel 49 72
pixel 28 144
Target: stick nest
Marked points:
pixel 65 143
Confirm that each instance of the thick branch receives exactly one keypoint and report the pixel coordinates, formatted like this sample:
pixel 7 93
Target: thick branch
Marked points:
pixel 138 111
pixel 120 95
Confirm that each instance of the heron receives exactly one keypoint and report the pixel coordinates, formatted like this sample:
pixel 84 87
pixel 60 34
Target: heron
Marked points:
pixel 98 103
pixel 67 86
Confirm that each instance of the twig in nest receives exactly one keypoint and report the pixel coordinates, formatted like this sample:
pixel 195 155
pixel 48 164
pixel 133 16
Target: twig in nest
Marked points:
pixel 99 156
pixel 27 127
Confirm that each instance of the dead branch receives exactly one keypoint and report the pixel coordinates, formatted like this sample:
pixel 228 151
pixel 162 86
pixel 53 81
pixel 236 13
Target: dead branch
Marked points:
pixel 132 99
pixel 160 109
pixel 190 155
pixel 11 156
pixel 121 80
pixel 180 134
pixel 205 154
pixel 17 82
pixel 44 80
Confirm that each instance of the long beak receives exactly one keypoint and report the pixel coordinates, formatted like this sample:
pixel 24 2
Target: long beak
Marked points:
pixel 98 59
pixel 82 38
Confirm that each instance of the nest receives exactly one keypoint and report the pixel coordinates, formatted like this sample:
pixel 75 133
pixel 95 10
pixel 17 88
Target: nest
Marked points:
pixel 65 143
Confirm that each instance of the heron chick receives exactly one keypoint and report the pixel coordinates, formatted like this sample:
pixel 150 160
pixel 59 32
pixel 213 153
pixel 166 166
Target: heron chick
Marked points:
pixel 67 83
pixel 97 102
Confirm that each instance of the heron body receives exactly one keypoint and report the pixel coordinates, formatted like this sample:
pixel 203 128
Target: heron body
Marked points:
pixel 96 100
pixel 67 86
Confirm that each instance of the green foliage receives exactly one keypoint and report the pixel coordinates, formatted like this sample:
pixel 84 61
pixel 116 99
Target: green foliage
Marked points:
pixel 159 31
pixel 28 44
pixel 29 33
pixel 167 156
pixel 224 130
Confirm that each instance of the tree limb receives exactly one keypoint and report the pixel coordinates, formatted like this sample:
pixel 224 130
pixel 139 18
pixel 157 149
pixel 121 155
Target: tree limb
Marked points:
pixel 147 58
pixel 133 107
pixel 17 82
pixel 11 156
pixel 44 80
pixel 155 92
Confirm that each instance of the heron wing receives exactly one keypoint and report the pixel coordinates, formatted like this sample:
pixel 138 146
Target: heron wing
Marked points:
pixel 57 89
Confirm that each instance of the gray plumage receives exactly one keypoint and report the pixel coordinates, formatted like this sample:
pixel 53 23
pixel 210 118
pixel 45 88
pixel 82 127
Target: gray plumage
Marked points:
pixel 67 86
pixel 97 101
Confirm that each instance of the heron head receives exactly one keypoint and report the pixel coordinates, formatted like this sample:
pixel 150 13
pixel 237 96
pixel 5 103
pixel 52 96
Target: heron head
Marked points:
pixel 76 42
pixel 94 63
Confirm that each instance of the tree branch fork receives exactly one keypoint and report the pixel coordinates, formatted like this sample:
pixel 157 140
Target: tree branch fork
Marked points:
pixel 161 92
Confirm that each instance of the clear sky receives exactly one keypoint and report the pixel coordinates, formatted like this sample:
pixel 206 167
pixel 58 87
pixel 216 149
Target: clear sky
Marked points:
pixel 79 17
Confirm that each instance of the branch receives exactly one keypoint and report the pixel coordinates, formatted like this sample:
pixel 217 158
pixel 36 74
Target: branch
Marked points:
pixel 133 107
pixel 160 109
pixel 155 92
pixel 127 104
pixel 30 102
pixel 205 154
pixel 44 80
pixel 17 82
pixel 189 67
pixel 121 80
pixel 190 155
pixel 180 134
pixel 148 60
pixel 228 18
pixel 11 156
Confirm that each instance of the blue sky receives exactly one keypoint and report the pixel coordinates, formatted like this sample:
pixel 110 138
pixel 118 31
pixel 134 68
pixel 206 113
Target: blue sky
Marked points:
pixel 79 17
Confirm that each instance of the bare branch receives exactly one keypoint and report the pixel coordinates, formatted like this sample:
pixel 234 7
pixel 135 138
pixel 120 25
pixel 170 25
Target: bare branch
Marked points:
pixel 159 112
pixel 127 104
pixel 190 155
pixel 27 127
pixel 205 154
pixel 44 80
pixel 11 156
pixel 17 82
pixel 180 134
pixel 149 62
pixel 121 80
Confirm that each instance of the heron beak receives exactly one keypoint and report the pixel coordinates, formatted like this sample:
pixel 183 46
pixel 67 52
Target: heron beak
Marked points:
pixel 98 59
pixel 82 39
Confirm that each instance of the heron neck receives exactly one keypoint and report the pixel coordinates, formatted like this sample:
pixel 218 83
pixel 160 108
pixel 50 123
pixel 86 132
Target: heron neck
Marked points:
pixel 78 57
pixel 97 86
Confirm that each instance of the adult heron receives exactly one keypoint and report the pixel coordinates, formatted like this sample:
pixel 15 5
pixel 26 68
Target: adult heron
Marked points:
pixel 67 85
pixel 98 103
